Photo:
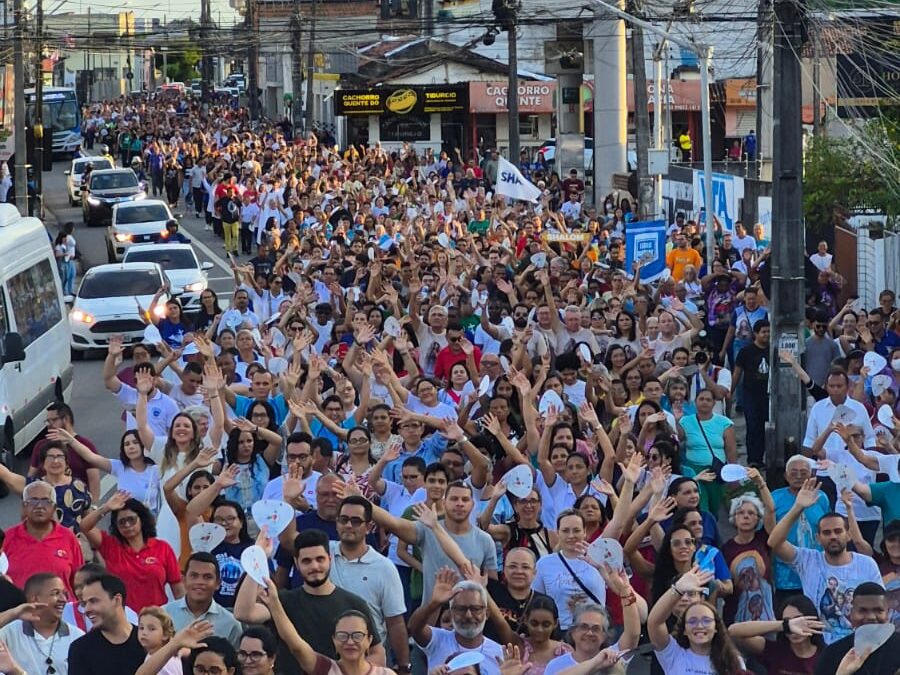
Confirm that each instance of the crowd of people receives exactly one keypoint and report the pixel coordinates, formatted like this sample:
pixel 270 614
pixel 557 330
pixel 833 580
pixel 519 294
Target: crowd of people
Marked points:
pixel 501 452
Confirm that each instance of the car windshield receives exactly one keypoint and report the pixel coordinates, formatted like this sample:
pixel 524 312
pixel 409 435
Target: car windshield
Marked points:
pixel 168 258
pixel 119 283
pixel 145 213
pixel 99 165
pixel 112 181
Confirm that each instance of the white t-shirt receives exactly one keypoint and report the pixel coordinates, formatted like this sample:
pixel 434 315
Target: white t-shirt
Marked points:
pixel 441 410
pixel 553 579
pixel 566 661
pixel 822 262
pixel 143 486
pixel 443 645
pixel 675 659
pixel 831 587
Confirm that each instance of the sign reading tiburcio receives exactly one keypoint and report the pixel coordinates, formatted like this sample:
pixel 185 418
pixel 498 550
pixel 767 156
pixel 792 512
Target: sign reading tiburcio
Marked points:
pixel 402 100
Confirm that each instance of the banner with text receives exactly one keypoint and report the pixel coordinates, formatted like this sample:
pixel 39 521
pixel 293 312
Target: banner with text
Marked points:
pixel 727 193
pixel 645 241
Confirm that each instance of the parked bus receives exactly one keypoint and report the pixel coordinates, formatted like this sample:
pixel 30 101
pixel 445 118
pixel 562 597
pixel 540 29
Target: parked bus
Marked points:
pixel 62 116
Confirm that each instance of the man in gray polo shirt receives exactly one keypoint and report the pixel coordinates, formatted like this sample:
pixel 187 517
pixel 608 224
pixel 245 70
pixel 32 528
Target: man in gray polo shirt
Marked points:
pixel 360 569
pixel 201 581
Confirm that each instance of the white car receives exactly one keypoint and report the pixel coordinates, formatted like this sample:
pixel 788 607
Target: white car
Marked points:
pixel 105 304
pixel 140 222
pixel 186 274
pixel 75 173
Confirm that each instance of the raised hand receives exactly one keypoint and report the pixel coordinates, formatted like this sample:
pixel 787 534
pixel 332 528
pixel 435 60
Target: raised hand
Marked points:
pixel 192 635
pixel 662 510
pixel 588 414
pixel 808 494
pixel 852 662
pixel 452 431
pixel 30 611
pixel 364 334
pixel 60 435
pixel 490 423
pixel 694 580
pixel 512 663
pixel 213 380
pixel 228 477
pixel 807 626
pixel 426 515
pixel 143 382
pixel 115 347
pixel 117 500
pixel 617 580
pixel 467 347
pixel 292 483
pixel 206 456
pixel 442 591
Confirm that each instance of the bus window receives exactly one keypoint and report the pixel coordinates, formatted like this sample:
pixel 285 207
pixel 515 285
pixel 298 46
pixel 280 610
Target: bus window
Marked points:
pixel 35 303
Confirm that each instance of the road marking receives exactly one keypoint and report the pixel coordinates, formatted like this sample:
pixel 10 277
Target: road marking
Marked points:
pixel 231 278
pixel 209 253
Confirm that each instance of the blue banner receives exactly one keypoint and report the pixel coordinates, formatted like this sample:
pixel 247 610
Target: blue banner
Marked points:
pixel 646 241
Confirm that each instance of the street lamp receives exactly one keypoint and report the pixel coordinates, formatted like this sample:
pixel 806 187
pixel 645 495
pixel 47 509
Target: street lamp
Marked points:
pixel 704 53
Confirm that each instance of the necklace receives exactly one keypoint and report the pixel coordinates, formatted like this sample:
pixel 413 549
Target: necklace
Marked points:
pixel 48 657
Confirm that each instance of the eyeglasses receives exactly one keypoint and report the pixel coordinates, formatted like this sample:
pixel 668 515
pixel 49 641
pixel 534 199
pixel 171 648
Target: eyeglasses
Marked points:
pixel 699 621
pixel 594 628
pixel 297 458
pixel 127 521
pixel 354 521
pixel 296 327
pixel 689 541
pixel 462 610
pixel 211 670
pixel 356 636
pixel 225 520
pixel 528 502
pixel 35 502
pixel 251 656
pixel 359 440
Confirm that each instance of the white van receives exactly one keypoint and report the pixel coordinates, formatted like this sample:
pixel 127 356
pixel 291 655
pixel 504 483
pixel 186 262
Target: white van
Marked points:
pixel 35 361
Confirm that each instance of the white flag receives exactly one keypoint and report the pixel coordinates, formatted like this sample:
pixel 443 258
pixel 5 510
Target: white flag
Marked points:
pixel 512 183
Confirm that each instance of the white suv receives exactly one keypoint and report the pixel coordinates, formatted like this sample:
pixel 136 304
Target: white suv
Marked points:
pixel 142 222
pixel 180 265
pixel 75 174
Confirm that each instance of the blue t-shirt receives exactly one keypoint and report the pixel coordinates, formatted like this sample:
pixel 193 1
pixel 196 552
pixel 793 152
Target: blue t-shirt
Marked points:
pixel 242 405
pixel 803 533
pixel 172 333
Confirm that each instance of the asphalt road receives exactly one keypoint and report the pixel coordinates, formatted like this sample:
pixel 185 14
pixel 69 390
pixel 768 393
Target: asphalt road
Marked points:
pixel 96 411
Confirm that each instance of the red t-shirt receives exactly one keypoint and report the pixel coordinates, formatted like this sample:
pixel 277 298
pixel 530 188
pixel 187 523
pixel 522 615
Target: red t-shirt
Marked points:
pixel 77 465
pixel 58 553
pixel 446 360
pixel 145 572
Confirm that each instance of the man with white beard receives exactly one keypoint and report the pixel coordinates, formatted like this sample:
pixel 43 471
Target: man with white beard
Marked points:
pixel 468 612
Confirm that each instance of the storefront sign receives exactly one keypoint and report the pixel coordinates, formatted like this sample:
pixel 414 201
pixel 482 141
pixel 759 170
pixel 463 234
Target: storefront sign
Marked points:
pixel 402 100
pixel 404 128
pixel 491 97
pixel 678 95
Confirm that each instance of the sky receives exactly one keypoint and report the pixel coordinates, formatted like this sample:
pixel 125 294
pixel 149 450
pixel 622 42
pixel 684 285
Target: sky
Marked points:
pixel 177 9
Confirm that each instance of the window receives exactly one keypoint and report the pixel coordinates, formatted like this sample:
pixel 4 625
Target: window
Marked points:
pixel 167 258
pixel 113 181
pixel 117 284
pixel 145 213
pixel 34 300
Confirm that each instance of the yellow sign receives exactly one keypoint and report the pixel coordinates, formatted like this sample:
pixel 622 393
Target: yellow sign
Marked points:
pixel 401 101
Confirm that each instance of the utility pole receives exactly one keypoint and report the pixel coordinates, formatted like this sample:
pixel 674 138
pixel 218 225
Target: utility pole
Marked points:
pixel 252 58
pixel 785 430
pixel 817 83
pixel 38 121
pixel 205 59
pixel 706 121
pixel 764 82
pixel 641 115
pixel 21 170
pixel 505 13
pixel 610 105
pixel 310 71
pixel 658 108
pixel 296 68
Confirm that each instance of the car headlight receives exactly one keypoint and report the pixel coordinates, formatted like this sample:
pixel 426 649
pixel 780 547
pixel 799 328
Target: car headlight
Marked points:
pixel 160 311
pixel 81 316
pixel 93 201
pixel 195 287
pixel 120 237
